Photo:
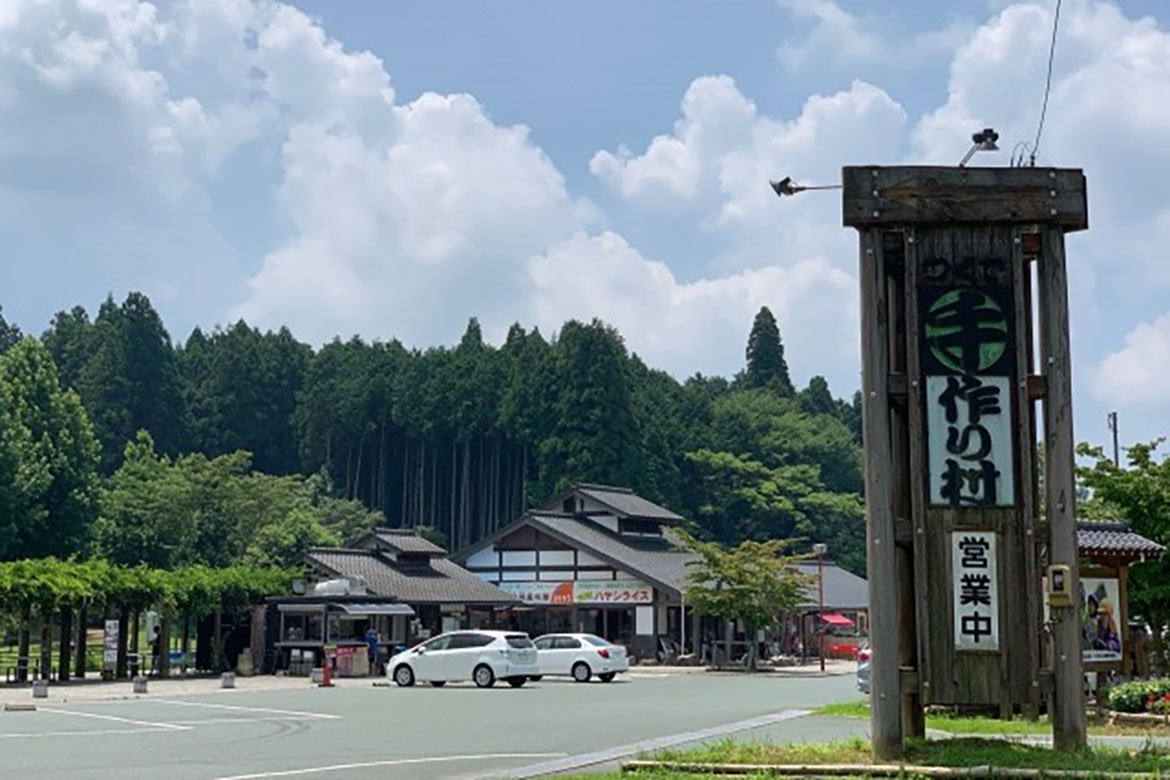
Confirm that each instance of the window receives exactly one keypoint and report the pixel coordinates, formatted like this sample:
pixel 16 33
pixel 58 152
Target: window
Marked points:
pixel 438 643
pixel 640 527
pixel 566 643
pixel 544 643
pixel 519 641
pixel 465 641
pixel 597 641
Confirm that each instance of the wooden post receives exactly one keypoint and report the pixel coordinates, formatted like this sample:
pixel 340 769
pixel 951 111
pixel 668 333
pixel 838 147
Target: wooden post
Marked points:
pixel 120 669
pixel 64 656
pixel 885 671
pixel 24 643
pixel 46 644
pixel 164 644
pixel 894 254
pixel 1068 721
pixel 79 664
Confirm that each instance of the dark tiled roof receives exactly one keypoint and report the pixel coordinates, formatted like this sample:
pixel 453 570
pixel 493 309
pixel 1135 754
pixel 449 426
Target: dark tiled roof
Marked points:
pixel 444 583
pixel 658 560
pixel 843 589
pixel 1116 538
pixel 626 502
pixel 407 541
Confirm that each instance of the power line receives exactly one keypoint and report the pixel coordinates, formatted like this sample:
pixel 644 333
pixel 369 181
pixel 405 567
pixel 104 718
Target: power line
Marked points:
pixel 1047 84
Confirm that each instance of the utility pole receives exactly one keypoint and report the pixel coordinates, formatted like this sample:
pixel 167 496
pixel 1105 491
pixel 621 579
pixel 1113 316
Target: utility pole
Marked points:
pixel 820 549
pixel 1116 450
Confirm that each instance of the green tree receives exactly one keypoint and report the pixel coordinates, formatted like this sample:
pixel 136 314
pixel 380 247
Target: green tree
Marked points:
pixel 131 380
pixel 1138 493
pixel 48 458
pixel 816 398
pixel 766 366
pixel 242 388
pixel 69 339
pixel 595 438
pixel 754 583
pixel 9 334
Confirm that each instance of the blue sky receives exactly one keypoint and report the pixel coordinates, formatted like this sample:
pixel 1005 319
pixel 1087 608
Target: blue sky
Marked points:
pixel 391 169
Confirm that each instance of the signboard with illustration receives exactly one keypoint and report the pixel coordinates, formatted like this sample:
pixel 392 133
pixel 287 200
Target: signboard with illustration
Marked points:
pixel 581 592
pixel 1100 620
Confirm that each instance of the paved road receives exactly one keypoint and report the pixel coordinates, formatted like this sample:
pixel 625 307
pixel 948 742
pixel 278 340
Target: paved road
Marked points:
pixel 390 733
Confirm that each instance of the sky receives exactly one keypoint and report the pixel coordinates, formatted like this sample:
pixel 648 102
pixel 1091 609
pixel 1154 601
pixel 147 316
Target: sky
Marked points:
pixel 392 169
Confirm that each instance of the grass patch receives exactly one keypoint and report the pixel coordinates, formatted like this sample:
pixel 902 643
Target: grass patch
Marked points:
pixel 968 724
pixel 952 753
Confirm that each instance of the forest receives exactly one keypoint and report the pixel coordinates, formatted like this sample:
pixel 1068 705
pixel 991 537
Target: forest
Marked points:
pixel 242 446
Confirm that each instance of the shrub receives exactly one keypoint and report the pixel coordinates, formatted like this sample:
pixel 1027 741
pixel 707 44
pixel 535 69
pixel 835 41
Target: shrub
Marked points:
pixel 1139 695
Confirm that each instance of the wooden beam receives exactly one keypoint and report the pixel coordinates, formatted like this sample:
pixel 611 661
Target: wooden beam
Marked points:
pixel 885 683
pixel 908 194
pixel 1068 722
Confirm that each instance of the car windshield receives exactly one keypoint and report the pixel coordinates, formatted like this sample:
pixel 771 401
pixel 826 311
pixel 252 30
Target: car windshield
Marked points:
pixel 519 641
pixel 596 641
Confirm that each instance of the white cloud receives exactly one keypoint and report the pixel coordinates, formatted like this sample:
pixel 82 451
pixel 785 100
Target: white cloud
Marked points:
pixel 692 326
pixel 837 37
pixel 1139 372
pixel 409 231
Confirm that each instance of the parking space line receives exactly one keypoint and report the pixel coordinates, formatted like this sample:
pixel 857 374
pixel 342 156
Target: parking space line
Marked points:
pixel 91 733
pixel 319 715
pixel 581 760
pixel 391 762
pixel 96 716
pixel 257 719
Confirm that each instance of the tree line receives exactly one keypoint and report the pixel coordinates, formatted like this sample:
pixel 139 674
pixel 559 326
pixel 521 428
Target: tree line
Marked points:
pixel 262 445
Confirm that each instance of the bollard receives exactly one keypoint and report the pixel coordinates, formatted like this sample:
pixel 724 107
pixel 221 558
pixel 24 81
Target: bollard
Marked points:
pixel 40 689
pixel 140 684
pixel 228 680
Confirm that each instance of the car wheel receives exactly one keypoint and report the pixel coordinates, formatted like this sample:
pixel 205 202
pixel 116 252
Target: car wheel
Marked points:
pixel 582 672
pixel 517 682
pixel 484 676
pixel 607 677
pixel 536 677
pixel 438 683
pixel 404 676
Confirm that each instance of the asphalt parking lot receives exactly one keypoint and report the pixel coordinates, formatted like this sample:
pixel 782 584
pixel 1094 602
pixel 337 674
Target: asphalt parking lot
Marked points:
pixel 362 731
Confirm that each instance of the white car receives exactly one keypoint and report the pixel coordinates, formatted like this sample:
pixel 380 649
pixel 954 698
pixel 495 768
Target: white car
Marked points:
pixel 580 656
pixel 480 656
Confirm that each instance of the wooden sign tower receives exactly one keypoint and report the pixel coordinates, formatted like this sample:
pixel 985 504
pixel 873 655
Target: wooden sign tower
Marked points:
pixel 957 264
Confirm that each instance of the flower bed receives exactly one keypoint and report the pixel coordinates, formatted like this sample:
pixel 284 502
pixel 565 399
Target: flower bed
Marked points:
pixel 1141 696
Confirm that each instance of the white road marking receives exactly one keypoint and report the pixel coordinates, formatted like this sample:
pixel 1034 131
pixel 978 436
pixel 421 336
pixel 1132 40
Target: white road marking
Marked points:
pixel 257 719
pixel 92 732
pixel 645 746
pixel 319 715
pixel 392 762
pixel 147 724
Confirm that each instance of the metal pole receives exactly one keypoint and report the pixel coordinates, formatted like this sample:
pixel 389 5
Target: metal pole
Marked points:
pixel 682 622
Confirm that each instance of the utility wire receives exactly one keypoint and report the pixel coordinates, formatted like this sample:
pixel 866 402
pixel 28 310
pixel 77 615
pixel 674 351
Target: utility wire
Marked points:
pixel 1047 84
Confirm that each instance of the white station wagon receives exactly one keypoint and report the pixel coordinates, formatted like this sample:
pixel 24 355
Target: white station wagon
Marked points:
pixel 580 656
pixel 480 656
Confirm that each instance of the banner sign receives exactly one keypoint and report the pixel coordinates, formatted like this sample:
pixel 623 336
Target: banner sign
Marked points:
pixel 968 368
pixel 581 592
pixel 1100 612
pixel 110 646
pixel 975 590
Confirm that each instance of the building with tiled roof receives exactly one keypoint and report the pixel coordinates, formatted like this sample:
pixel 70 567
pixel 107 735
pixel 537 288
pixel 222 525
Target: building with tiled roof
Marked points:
pixel 1110 643
pixel 603 560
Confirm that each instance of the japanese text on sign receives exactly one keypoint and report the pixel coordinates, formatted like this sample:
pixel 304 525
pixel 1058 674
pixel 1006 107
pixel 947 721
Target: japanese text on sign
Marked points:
pixel 966 358
pixel 975 590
